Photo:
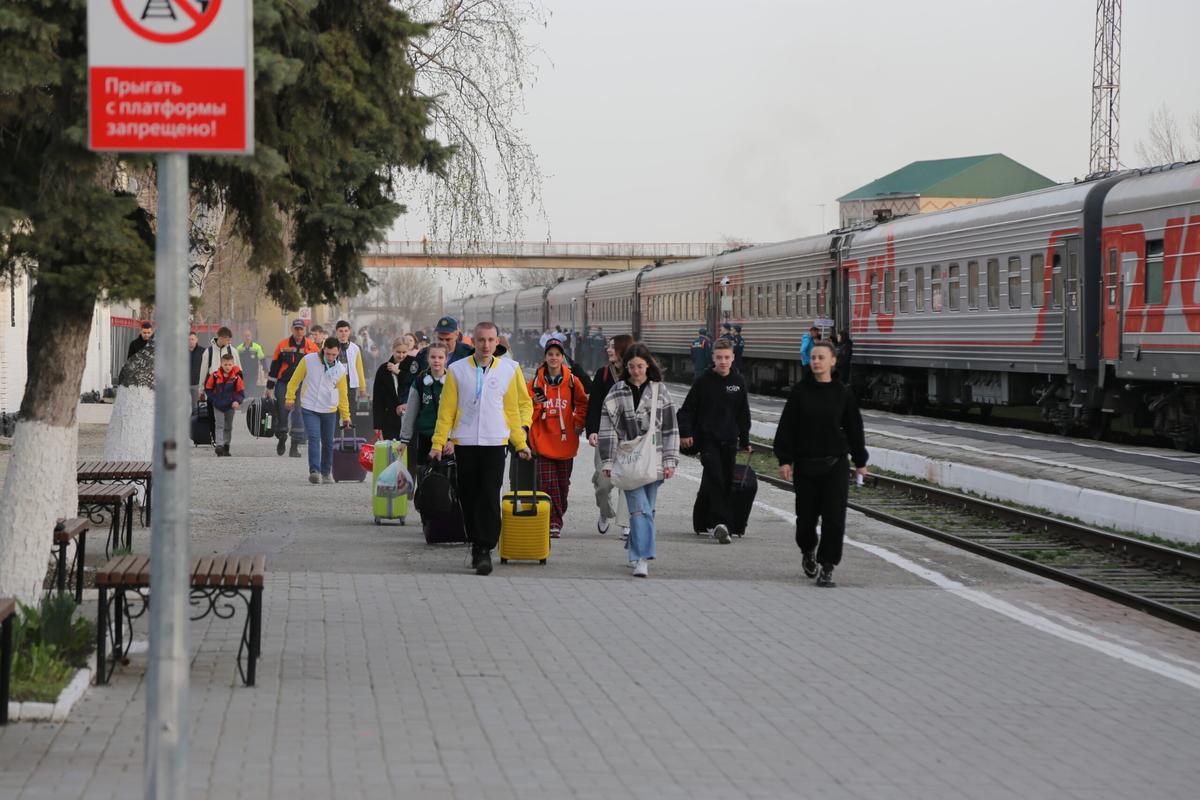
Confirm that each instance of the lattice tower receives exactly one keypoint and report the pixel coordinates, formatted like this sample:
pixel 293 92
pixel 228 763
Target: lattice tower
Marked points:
pixel 1106 88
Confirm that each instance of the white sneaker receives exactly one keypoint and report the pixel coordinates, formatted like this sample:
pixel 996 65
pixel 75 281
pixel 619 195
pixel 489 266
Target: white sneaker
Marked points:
pixel 722 534
pixel 602 524
pixel 641 569
pixel 624 533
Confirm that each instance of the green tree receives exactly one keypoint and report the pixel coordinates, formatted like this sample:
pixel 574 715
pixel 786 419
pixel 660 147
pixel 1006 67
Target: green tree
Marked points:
pixel 337 121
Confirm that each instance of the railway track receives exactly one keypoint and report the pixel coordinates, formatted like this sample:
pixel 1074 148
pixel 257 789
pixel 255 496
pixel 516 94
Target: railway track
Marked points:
pixel 1153 578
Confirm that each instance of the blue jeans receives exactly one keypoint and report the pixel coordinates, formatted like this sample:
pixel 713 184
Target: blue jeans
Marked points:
pixel 320 428
pixel 641 520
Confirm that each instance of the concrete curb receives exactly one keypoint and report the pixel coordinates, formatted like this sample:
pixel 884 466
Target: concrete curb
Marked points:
pixel 1088 505
pixel 58 710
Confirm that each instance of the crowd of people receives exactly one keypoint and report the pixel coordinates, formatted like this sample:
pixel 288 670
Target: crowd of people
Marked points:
pixel 467 396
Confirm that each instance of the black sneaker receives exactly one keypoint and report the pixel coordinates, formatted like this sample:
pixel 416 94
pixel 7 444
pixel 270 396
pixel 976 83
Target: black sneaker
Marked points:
pixel 825 578
pixel 808 563
pixel 483 562
pixel 295 451
pixel 281 448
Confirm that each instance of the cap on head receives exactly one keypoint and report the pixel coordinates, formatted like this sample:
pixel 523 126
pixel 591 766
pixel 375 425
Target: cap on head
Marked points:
pixel 555 344
pixel 447 325
pixel 726 326
pixel 737 328
pixel 704 331
pixel 298 323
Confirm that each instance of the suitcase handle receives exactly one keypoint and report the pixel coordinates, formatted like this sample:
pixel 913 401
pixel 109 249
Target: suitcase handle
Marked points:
pixel 745 472
pixel 526 509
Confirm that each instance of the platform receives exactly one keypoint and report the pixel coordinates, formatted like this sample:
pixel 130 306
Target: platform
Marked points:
pixel 927 673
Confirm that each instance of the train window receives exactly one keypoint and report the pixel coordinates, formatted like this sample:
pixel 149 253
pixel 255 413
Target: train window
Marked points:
pixel 955 288
pixel 889 291
pixel 903 291
pixel 1037 280
pixel 1154 273
pixel 1056 281
pixel 789 300
pixel 779 304
pixel 874 295
pixel 993 282
pixel 972 285
pixel 935 288
pixel 919 288
pixel 1114 263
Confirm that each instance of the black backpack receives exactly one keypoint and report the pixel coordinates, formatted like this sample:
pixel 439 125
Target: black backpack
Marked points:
pixel 437 489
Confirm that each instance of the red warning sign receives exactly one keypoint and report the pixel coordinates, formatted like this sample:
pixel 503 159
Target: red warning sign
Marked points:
pixel 170 76
pixel 167 21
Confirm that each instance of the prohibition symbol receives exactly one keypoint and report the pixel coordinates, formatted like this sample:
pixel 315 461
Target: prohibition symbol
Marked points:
pixel 167 21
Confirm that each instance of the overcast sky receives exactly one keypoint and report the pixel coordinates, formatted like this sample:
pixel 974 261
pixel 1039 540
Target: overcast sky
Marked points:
pixel 664 120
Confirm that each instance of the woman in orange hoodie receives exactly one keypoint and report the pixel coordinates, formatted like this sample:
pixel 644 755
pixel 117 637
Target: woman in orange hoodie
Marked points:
pixel 559 413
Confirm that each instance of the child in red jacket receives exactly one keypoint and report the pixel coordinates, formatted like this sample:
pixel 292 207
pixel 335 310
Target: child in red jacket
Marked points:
pixel 226 391
pixel 559 414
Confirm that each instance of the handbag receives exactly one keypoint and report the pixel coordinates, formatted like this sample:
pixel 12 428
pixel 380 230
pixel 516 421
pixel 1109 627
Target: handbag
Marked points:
pixel 366 453
pixel 635 463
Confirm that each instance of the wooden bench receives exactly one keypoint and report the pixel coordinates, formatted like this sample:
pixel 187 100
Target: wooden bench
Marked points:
pixel 66 531
pixel 215 581
pixel 95 499
pixel 133 473
pixel 8 610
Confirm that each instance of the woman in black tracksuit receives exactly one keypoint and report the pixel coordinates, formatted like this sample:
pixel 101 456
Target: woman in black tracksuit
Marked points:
pixel 819 425
pixel 392 381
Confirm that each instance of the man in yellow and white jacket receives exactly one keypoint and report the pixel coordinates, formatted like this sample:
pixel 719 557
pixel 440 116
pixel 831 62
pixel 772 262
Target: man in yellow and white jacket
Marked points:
pixel 320 380
pixel 481 412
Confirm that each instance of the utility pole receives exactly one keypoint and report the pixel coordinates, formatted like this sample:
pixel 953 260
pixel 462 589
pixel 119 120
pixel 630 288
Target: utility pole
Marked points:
pixel 1106 89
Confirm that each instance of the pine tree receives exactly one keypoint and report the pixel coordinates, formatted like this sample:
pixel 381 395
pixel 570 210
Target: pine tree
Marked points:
pixel 336 121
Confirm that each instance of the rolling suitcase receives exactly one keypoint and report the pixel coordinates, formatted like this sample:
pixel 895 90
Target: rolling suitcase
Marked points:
pixel 364 418
pixel 260 417
pixel 437 500
pixel 525 522
pixel 202 425
pixel 345 457
pixel 390 508
pixel 745 489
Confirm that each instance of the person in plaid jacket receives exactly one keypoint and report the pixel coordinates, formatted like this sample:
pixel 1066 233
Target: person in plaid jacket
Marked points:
pixel 560 407
pixel 627 415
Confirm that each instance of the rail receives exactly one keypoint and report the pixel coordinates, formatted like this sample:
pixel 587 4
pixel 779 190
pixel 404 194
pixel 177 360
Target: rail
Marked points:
pixel 1159 580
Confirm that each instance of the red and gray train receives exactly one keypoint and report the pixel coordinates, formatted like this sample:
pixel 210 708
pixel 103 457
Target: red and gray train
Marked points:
pixel 1083 299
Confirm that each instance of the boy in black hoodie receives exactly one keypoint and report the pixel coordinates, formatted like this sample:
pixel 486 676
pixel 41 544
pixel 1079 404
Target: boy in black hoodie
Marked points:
pixel 715 419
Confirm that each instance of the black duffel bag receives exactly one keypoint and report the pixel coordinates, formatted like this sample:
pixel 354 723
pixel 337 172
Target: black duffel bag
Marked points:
pixel 437 489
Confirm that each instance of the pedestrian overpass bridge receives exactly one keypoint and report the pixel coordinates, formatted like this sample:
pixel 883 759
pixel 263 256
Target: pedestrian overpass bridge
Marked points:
pixel 535 255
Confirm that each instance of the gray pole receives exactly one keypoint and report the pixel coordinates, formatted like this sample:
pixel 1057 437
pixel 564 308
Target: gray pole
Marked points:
pixel 167 683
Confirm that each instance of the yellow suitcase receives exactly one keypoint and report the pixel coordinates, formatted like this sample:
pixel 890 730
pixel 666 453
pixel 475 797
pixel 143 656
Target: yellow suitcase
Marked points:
pixel 525 527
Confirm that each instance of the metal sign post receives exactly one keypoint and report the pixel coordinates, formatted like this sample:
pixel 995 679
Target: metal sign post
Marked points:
pixel 172 84
pixel 167 679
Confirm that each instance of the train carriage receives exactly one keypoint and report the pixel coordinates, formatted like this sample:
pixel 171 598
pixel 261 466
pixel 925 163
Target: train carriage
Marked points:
pixel 984 305
pixel 566 309
pixel 504 312
pixel 776 292
pixel 531 323
pixel 476 310
pixel 675 301
pixel 1151 301
pixel 612 304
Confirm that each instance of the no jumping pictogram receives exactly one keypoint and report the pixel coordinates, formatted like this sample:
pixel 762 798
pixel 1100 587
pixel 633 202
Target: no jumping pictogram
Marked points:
pixel 167 21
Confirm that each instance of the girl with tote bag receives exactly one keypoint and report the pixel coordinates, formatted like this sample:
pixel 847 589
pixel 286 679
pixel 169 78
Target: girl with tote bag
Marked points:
pixel 639 447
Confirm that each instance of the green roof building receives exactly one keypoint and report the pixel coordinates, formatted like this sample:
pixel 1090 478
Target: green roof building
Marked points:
pixel 939 184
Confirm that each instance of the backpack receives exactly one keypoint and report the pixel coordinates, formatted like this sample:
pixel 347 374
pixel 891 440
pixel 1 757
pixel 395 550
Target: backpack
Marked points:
pixel 437 489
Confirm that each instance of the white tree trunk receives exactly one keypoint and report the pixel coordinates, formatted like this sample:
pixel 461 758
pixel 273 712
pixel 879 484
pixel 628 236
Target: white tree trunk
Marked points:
pixel 130 435
pixel 39 488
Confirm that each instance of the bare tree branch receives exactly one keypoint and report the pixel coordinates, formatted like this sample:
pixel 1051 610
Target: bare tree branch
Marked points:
pixel 1166 142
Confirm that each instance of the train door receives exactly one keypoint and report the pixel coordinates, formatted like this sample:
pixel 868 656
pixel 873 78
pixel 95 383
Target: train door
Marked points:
pixel 1111 305
pixel 1067 268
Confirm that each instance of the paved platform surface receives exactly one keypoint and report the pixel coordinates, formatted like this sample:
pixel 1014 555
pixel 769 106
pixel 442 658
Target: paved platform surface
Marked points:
pixel 926 674
pixel 1164 476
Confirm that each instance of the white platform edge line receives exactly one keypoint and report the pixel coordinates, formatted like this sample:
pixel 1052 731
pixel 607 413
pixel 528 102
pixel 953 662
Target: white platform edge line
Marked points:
pixel 1028 618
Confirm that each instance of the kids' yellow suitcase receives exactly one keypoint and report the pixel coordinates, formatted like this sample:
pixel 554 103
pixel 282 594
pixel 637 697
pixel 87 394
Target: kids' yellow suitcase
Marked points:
pixel 525 524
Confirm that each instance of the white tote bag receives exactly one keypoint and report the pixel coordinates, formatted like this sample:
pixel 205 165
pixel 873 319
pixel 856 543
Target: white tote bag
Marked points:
pixel 636 461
